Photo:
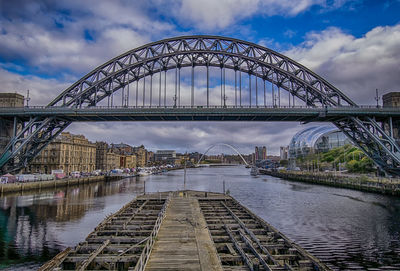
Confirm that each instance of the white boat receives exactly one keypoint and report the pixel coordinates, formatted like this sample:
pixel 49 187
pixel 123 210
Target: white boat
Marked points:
pixel 254 171
pixel 144 173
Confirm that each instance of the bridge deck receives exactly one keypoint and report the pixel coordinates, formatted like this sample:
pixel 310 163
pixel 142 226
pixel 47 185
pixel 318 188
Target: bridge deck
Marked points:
pixel 198 113
pixel 186 230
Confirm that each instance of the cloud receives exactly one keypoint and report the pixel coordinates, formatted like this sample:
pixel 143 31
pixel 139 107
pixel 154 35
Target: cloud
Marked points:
pixel 52 37
pixel 357 66
pixel 192 136
pixel 41 91
pixel 211 14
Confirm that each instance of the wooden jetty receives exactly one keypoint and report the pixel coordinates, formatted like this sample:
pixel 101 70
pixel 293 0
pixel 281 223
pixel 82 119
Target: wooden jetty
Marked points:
pixel 185 230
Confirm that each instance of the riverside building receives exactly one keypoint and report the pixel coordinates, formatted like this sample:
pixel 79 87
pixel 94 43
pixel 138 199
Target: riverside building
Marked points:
pixel 260 153
pixel 106 159
pixel 141 156
pixel 67 152
pixel 165 156
pixel 316 139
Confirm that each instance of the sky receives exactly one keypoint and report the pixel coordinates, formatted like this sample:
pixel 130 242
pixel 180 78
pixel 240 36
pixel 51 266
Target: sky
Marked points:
pixel 45 46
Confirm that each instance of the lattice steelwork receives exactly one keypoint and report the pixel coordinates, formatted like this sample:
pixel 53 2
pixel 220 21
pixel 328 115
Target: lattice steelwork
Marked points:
pixel 152 61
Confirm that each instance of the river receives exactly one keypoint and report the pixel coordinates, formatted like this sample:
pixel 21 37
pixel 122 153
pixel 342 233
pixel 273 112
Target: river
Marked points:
pixel 347 229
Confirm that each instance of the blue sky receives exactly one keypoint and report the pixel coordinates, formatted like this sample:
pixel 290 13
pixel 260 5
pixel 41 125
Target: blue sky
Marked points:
pixel 47 45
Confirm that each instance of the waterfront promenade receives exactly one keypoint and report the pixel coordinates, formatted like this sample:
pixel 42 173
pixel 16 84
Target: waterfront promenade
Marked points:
pixel 358 182
pixel 20 187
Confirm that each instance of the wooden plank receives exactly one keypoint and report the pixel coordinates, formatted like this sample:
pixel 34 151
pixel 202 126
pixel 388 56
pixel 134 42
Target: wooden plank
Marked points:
pixel 82 266
pixel 183 242
pixel 56 261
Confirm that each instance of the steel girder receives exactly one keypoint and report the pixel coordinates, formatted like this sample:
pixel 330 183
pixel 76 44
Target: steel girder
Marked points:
pixel 201 51
pixel 209 51
pixel 33 137
pixel 372 139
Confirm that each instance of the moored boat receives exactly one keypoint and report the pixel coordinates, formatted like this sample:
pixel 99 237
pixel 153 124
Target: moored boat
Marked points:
pixel 254 171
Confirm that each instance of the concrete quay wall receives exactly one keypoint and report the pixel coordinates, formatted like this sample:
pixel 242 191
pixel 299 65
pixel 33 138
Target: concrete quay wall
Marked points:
pixel 39 185
pixel 362 183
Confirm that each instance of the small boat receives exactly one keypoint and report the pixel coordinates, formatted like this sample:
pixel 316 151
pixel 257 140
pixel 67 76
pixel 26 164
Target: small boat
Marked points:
pixel 144 173
pixel 254 171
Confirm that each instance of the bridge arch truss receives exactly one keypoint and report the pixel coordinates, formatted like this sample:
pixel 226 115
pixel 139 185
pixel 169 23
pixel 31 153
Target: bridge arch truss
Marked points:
pixel 151 62
pixel 222 144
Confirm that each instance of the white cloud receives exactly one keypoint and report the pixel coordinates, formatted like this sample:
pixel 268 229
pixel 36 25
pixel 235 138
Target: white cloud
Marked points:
pixel 41 91
pixel 33 37
pixel 211 14
pixel 46 49
pixel 357 66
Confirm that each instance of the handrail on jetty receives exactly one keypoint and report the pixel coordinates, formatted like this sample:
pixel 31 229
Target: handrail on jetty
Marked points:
pixel 144 257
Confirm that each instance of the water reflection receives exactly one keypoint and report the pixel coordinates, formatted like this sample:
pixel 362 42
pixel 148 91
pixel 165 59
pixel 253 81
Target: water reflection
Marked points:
pixel 29 222
pixel 347 229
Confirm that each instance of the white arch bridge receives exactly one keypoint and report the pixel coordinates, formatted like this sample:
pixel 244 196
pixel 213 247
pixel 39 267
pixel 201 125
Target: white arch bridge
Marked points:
pixel 201 78
pixel 222 144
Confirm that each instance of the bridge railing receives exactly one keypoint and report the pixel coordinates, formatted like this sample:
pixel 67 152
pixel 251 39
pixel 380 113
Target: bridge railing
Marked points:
pixel 200 106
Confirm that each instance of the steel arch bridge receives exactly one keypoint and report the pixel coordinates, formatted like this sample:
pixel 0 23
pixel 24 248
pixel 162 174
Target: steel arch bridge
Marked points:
pixel 222 144
pixel 269 73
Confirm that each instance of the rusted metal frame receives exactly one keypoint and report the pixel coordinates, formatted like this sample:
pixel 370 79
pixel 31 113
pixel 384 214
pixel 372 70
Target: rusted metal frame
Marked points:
pixel 82 266
pixel 252 235
pixel 143 259
pixel 134 214
pixel 56 261
pixel 133 246
pixel 246 259
pixel 287 242
pixel 249 245
pixel 120 211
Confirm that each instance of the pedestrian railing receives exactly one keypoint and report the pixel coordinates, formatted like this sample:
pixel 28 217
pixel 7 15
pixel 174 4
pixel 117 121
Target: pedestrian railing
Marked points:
pixel 144 256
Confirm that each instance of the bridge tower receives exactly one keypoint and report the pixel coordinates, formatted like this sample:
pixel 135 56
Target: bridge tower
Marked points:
pixel 392 99
pixel 9 127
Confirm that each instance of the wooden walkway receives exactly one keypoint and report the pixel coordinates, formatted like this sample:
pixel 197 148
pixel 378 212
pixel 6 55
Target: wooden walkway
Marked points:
pixel 183 242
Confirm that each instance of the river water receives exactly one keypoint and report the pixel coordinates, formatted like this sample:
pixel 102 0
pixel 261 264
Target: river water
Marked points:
pixel 348 230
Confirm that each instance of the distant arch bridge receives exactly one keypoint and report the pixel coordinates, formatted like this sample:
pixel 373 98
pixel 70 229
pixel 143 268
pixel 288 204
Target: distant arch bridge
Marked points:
pixel 222 144
pixel 201 78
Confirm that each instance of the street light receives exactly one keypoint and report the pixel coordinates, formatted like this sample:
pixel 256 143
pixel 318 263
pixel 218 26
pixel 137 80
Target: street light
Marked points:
pixel 27 99
pixel 377 98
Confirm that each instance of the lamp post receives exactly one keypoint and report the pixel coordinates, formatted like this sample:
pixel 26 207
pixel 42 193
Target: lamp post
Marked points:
pixel 377 98
pixel 184 175
pixel 27 99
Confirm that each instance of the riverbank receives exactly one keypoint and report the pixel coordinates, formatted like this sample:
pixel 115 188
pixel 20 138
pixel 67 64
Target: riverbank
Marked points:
pixel 53 184
pixel 362 182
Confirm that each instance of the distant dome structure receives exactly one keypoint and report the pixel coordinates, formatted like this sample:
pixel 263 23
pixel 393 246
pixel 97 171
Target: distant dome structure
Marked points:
pixel 316 139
